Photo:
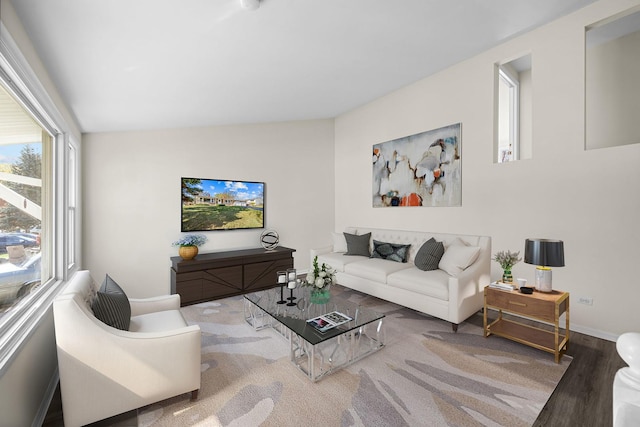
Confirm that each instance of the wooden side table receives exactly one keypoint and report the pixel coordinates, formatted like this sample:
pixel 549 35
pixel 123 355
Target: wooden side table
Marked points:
pixel 541 306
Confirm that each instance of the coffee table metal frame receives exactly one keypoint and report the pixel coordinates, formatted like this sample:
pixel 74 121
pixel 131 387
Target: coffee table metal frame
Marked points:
pixel 315 353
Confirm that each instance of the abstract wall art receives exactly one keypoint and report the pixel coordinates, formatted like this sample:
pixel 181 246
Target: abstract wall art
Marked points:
pixel 419 170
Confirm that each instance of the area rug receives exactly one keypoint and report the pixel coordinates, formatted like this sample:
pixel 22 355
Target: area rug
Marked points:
pixel 426 375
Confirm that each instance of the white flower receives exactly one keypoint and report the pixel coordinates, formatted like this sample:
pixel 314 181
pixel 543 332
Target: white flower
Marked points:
pixel 319 277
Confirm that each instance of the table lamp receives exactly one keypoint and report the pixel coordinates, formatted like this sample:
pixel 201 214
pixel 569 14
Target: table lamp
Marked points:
pixel 545 253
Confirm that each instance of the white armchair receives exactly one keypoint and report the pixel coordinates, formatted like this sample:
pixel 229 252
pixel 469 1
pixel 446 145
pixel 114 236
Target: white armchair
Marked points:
pixel 626 385
pixel 105 371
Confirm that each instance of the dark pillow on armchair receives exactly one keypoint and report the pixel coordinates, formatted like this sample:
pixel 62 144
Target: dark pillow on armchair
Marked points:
pixel 358 244
pixel 111 305
pixel 429 255
pixel 390 251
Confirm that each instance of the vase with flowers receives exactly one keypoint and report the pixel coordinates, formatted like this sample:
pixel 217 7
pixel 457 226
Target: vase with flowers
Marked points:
pixel 320 280
pixel 507 260
pixel 188 245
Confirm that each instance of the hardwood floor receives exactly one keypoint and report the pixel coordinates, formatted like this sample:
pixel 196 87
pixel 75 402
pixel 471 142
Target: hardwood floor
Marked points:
pixel 584 396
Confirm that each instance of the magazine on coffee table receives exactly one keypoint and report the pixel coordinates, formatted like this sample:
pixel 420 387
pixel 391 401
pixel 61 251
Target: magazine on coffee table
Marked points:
pixel 329 321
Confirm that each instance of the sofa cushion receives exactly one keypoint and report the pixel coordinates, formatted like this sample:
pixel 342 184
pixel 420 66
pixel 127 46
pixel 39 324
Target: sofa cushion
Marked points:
pixel 338 261
pixel 375 269
pixel 433 283
pixel 158 321
pixel 457 258
pixel 429 255
pixel 358 244
pixel 111 305
pixel 390 251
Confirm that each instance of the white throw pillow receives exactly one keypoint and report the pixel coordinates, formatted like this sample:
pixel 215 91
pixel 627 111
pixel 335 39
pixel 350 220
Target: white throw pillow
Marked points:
pixel 455 242
pixel 339 242
pixel 457 258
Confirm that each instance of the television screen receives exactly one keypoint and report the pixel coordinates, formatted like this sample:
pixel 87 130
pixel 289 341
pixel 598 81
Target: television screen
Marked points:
pixel 211 204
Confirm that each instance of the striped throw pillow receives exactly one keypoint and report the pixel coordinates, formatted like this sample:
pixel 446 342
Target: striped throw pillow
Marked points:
pixel 111 305
pixel 429 255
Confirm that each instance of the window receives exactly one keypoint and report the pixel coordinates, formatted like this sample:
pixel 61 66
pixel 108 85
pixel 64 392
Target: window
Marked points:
pixel 38 201
pixel 71 205
pixel 612 91
pixel 509 95
pixel 25 176
pixel 513 110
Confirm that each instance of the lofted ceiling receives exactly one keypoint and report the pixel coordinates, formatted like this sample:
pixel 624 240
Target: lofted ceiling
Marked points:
pixel 151 64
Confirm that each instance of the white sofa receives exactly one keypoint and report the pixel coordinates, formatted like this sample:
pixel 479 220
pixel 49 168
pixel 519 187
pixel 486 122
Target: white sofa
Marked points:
pixel 105 371
pixel 452 296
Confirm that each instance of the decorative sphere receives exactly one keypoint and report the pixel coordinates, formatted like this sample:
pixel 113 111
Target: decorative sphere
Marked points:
pixel 269 239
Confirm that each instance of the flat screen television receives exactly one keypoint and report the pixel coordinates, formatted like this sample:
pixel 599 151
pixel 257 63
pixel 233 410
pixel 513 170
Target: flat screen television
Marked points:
pixel 215 204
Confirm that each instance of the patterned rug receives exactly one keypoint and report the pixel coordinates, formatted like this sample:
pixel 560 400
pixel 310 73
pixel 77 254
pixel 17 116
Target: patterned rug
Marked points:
pixel 426 375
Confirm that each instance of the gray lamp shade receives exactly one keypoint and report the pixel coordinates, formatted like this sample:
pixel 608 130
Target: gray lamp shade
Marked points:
pixel 544 252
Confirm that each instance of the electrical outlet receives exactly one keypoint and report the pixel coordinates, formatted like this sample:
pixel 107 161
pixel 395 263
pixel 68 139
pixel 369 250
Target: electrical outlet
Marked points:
pixel 585 300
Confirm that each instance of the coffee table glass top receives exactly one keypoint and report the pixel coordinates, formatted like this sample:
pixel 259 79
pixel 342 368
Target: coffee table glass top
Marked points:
pixel 295 316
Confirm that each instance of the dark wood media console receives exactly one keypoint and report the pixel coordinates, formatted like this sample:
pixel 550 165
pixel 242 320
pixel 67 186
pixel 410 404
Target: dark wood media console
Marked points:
pixel 217 275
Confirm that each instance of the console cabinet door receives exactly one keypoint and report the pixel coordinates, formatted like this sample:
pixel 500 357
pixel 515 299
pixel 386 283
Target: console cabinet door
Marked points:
pixel 219 282
pixel 263 275
pixel 189 286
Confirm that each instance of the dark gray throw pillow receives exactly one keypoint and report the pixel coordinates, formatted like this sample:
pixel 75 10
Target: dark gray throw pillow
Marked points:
pixel 390 251
pixel 429 255
pixel 357 244
pixel 111 305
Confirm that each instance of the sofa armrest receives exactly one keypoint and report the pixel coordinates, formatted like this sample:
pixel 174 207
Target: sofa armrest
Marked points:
pixel 124 357
pixel 151 305
pixel 466 290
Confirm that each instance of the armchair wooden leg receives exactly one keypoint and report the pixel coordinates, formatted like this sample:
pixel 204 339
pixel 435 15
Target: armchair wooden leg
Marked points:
pixel 194 395
pixel 454 326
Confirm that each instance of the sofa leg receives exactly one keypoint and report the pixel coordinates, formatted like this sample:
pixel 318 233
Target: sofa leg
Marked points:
pixel 194 395
pixel 454 326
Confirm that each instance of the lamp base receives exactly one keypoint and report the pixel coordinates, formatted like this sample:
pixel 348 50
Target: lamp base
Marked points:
pixel 543 279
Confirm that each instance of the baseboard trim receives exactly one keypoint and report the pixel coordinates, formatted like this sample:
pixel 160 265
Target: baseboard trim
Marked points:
pixel 46 400
pixel 594 332
pixel 572 327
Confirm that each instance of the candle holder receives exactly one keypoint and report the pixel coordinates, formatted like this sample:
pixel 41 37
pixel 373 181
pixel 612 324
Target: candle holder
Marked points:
pixel 282 280
pixel 291 299
pixel 291 276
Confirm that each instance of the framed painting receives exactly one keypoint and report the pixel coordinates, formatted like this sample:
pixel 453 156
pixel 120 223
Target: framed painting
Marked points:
pixel 419 170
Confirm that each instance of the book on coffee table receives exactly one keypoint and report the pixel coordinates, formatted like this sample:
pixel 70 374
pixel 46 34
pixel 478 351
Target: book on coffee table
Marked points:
pixel 329 321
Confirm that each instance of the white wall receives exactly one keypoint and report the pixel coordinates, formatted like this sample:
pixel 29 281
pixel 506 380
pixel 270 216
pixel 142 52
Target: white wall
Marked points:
pixel 132 193
pixel 28 384
pixel 589 199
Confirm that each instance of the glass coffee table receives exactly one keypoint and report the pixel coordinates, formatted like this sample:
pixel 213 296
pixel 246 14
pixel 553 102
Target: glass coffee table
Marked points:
pixel 316 353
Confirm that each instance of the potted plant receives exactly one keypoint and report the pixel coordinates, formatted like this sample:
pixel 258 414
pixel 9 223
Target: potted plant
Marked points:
pixel 188 245
pixel 320 280
pixel 507 260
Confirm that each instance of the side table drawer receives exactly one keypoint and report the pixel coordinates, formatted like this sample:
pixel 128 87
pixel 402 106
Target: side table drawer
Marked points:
pixel 522 304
